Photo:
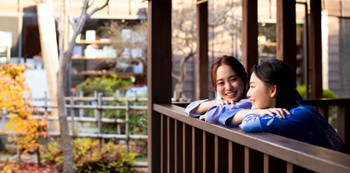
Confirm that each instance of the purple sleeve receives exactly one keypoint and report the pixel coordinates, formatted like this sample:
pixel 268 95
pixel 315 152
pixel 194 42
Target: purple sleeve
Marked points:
pixel 226 117
pixel 192 106
pixel 214 113
pixel 244 103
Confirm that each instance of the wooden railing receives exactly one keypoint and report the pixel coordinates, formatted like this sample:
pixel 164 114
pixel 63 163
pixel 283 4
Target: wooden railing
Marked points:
pixel 184 144
pixel 341 110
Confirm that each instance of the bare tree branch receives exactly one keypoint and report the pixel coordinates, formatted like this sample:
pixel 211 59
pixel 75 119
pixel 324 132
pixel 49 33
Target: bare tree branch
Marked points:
pixel 184 36
pixel 98 8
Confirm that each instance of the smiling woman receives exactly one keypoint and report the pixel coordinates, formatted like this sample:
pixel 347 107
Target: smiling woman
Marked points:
pixel 228 80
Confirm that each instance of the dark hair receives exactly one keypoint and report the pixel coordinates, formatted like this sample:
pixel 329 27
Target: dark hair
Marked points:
pixel 234 64
pixel 276 72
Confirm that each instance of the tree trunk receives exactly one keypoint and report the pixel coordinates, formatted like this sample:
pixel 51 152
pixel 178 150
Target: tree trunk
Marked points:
pixel 63 76
pixel 178 92
pixel 67 149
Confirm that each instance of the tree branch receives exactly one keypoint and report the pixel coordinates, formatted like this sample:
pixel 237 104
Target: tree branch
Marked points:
pixel 98 8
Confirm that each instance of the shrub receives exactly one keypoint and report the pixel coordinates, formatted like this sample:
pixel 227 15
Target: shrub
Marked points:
pixel 15 97
pixel 90 158
pixel 325 93
pixel 107 86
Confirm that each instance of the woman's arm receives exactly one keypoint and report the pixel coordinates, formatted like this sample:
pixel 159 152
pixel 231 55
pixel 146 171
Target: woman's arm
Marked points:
pixel 193 106
pixel 235 117
pixel 280 112
pixel 203 107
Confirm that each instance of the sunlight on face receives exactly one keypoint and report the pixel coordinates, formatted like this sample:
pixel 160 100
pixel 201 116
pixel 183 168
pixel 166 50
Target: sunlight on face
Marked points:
pixel 259 94
pixel 228 84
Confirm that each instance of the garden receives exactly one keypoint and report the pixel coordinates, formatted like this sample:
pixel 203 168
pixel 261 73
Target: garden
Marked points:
pixel 26 145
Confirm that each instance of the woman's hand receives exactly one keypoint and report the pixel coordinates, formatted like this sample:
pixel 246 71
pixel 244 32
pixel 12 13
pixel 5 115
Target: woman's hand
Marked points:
pixel 203 107
pixel 280 112
pixel 222 102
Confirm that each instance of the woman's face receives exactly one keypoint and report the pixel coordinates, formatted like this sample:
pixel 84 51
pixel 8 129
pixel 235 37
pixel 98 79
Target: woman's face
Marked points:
pixel 260 95
pixel 228 84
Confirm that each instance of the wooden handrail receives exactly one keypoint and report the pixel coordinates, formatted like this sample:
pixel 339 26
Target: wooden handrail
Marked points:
pixel 327 101
pixel 290 151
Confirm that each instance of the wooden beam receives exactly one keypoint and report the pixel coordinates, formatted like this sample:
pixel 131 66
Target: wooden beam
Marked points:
pixel 315 49
pixel 48 43
pixel 201 58
pixel 286 33
pixel 249 34
pixel 159 78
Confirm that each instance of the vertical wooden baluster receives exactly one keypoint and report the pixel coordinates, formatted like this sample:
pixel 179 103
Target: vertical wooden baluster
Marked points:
pixel 168 144
pixel 246 159
pixel 204 150
pixel 289 167
pixel 183 147
pixel 216 157
pixel 161 143
pixel 230 166
pixel 344 125
pixel 193 150
pixel 266 163
pixel 176 145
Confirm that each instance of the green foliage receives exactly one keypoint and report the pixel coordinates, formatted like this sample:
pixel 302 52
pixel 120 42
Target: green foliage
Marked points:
pixel 89 158
pixel 138 123
pixel 107 86
pixel 325 94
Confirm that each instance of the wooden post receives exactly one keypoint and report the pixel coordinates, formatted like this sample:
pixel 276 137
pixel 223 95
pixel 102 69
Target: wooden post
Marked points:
pixel 45 115
pixel 48 41
pixel 343 125
pixel 127 113
pixel 249 34
pixel 117 112
pixel 201 67
pixel 99 117
pixel 81 111
pixel 315 49
pixel 286 33
pixel 158 73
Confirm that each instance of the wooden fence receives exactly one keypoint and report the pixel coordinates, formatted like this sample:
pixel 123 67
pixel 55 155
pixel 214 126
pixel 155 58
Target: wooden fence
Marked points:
pixel 183 144
pixel 75 110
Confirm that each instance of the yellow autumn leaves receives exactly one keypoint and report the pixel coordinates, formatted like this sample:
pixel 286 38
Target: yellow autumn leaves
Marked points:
pixel 15 99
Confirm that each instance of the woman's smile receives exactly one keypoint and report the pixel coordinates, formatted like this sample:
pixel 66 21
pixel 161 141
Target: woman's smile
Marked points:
pixel 229 85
